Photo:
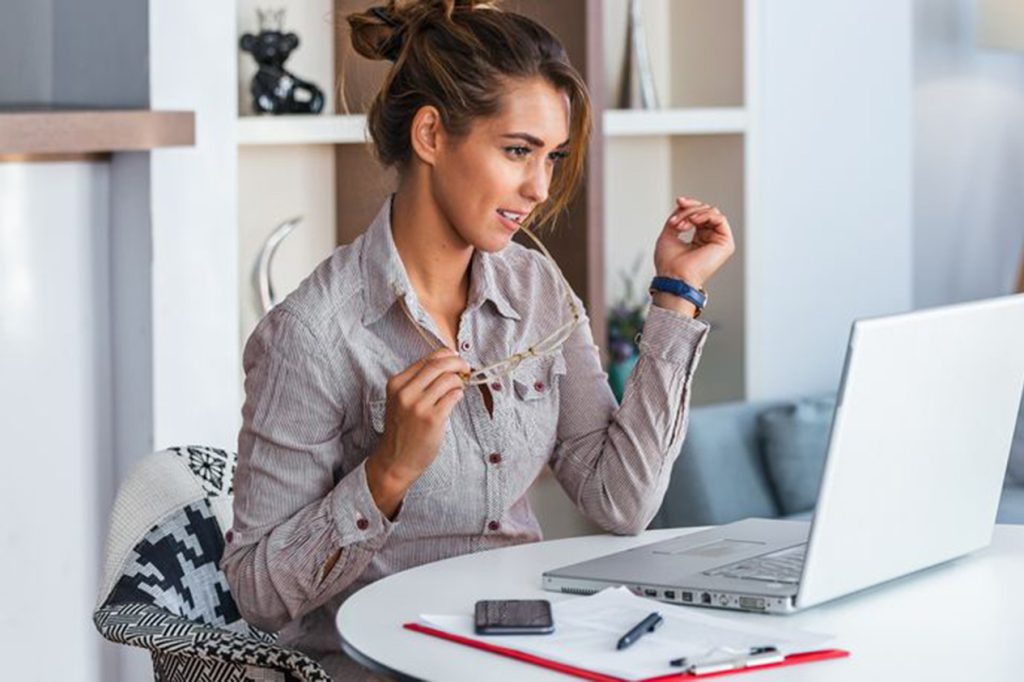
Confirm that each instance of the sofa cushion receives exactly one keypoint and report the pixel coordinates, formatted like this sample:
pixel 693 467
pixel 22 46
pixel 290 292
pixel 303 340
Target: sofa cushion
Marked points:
pixel 719 476
pixel 1015 470
pixel 1011 505
pixel 794 439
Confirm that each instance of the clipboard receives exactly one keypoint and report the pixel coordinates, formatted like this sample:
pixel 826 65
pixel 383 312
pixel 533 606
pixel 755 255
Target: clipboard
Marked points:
pixel 792 659
pixel 587 630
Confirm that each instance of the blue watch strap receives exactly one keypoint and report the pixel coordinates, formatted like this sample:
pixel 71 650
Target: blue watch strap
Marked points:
pixel 680 288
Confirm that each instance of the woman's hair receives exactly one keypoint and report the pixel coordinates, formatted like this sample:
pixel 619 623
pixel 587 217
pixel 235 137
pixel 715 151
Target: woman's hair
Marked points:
pixel 459 56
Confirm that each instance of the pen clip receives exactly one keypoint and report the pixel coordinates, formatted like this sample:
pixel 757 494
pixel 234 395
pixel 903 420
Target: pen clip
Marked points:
pixel 647 625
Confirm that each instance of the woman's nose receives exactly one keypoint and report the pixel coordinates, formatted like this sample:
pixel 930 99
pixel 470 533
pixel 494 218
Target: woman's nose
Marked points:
pixel 537 184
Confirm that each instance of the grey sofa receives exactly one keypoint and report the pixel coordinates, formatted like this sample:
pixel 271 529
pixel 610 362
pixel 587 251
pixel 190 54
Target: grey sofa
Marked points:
pixel 722 474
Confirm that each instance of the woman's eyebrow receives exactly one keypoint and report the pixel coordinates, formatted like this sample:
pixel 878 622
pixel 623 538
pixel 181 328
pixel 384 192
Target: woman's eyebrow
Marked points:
pixel 536 141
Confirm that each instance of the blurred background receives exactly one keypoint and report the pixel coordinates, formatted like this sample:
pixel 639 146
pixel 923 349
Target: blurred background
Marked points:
pixel 869 154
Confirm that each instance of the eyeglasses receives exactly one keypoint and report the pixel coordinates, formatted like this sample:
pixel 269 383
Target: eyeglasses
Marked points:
pixel 546 346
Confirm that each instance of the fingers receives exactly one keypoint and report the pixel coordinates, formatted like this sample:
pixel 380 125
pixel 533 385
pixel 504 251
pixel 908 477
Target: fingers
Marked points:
pixel 448 402
pixel 399 381
pixel 710 223
pixel 452 365
pixel 449 364
pixel 440 387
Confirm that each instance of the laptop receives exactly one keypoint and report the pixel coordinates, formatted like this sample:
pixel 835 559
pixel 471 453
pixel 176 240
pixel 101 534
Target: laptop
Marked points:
pixel 920 438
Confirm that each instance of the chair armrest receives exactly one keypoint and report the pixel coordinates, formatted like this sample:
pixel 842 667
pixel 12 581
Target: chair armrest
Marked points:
pixel 150 627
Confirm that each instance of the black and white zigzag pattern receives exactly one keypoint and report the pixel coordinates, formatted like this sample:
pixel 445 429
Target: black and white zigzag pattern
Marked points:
pixel 174 566
pixel 187 652
pixel 214 469
pixel 178 668
pixel 173 599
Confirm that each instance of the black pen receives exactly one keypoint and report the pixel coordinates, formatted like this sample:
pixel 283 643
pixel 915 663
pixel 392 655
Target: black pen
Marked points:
pixel 648 624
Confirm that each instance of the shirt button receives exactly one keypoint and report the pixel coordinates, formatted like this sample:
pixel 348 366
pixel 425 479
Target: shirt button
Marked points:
pixel 495 458
pixel 465 345
pixel 538 386
pixel 496 386
pixel 229 536
pixel 362 524
pixel 493 526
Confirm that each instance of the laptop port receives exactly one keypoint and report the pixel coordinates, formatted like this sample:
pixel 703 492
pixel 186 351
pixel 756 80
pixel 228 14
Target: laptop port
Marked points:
pixel 752 603
pixel 651 593
pixel 705 598
pixel 686 596
pixel 670 594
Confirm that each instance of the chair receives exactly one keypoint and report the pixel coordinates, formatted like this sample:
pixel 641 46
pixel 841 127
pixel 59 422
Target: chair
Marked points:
pixel 163 589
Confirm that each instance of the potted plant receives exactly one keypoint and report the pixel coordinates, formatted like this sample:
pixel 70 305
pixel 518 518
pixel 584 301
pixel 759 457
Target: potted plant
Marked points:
pixel 625 323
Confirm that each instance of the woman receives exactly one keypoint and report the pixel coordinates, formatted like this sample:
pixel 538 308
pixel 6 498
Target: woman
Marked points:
pixel 363 451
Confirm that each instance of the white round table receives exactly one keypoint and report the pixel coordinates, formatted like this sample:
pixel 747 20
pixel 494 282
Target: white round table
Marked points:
pixel 963 620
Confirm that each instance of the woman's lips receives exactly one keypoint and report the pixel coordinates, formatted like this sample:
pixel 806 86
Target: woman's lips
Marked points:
pixel 510 225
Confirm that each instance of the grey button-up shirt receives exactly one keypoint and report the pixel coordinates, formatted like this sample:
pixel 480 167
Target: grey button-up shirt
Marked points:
pixel 316 368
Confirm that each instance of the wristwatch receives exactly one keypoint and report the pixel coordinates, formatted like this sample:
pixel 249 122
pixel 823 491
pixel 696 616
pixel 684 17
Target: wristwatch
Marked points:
pixel 698 297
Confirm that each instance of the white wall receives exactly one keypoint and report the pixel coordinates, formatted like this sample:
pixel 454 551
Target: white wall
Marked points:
pixel 195 227
pixel 968 159
pixel 830 233
pixel 968 162
pixel 55 416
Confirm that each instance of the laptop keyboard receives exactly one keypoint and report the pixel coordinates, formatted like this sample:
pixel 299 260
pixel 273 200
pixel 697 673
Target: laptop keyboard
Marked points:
pixel 779 567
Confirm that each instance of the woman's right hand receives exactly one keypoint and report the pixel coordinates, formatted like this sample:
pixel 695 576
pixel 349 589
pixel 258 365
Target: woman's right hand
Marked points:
pixel 420 399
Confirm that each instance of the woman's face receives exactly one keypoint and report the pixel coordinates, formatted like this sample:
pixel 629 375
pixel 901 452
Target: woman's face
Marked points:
pixel 488 182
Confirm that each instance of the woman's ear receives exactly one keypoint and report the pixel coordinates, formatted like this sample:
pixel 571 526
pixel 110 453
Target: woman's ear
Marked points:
pixel 427 134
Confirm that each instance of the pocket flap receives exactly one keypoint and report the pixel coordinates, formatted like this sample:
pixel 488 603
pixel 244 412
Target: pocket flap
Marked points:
pixel 534 379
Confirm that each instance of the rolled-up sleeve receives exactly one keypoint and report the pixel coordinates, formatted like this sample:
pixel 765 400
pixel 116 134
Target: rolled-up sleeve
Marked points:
pixel 614 461
pixel 298 537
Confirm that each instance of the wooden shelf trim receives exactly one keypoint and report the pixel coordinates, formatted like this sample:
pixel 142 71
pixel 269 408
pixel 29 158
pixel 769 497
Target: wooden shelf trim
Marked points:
pixel 86 132
pixel 300 129
pixel 695 121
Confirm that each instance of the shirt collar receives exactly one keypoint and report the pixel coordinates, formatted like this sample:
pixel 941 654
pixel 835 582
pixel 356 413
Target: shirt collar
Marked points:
pixel 385 279
pixel 483 285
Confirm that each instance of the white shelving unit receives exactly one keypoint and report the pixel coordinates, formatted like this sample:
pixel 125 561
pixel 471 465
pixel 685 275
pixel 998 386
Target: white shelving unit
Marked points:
pixel 351 129
pixel 301 129
pixel 692 121
pixel 695 145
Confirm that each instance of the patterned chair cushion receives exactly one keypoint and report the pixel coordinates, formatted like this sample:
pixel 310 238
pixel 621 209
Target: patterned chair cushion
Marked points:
pixel 214 469
pixel 167 592
pixel 184 651
pixel 174 567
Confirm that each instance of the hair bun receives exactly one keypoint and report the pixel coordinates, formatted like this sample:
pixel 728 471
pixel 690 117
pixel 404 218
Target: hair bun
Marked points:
pixel 377 33
pixel 380 32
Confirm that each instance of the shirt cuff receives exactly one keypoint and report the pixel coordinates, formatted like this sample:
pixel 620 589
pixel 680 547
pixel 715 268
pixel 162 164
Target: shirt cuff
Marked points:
pixel 355 514
pixel 671 336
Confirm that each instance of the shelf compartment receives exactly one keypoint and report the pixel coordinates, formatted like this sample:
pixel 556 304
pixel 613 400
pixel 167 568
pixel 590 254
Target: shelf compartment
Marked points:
pixel 691 121
pixel 302 129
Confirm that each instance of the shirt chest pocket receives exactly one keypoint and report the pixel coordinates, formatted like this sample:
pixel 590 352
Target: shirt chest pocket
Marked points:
pixel 441 472
pixel 535 387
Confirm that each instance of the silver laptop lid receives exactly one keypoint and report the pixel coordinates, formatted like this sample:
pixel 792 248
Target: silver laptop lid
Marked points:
pixel 919 444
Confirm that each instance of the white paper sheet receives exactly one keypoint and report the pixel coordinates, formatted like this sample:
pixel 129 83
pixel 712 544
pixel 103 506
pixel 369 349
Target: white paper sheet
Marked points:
pixel 587 630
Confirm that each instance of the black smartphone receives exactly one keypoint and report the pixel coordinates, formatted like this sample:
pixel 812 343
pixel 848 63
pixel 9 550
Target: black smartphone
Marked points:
pixel 514 617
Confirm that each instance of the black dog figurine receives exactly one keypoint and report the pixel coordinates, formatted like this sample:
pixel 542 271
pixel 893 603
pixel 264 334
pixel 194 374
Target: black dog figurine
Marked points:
pixel 274 89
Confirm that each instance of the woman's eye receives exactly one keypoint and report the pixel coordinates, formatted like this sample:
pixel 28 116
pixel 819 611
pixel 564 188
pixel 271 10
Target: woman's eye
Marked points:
pixel 558 157
pixel 518 152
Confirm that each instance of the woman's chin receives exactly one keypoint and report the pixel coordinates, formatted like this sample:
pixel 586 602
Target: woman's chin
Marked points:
pixel 494 243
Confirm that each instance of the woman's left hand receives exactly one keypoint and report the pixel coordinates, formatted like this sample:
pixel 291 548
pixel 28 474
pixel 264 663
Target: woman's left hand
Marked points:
pixel 712 244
